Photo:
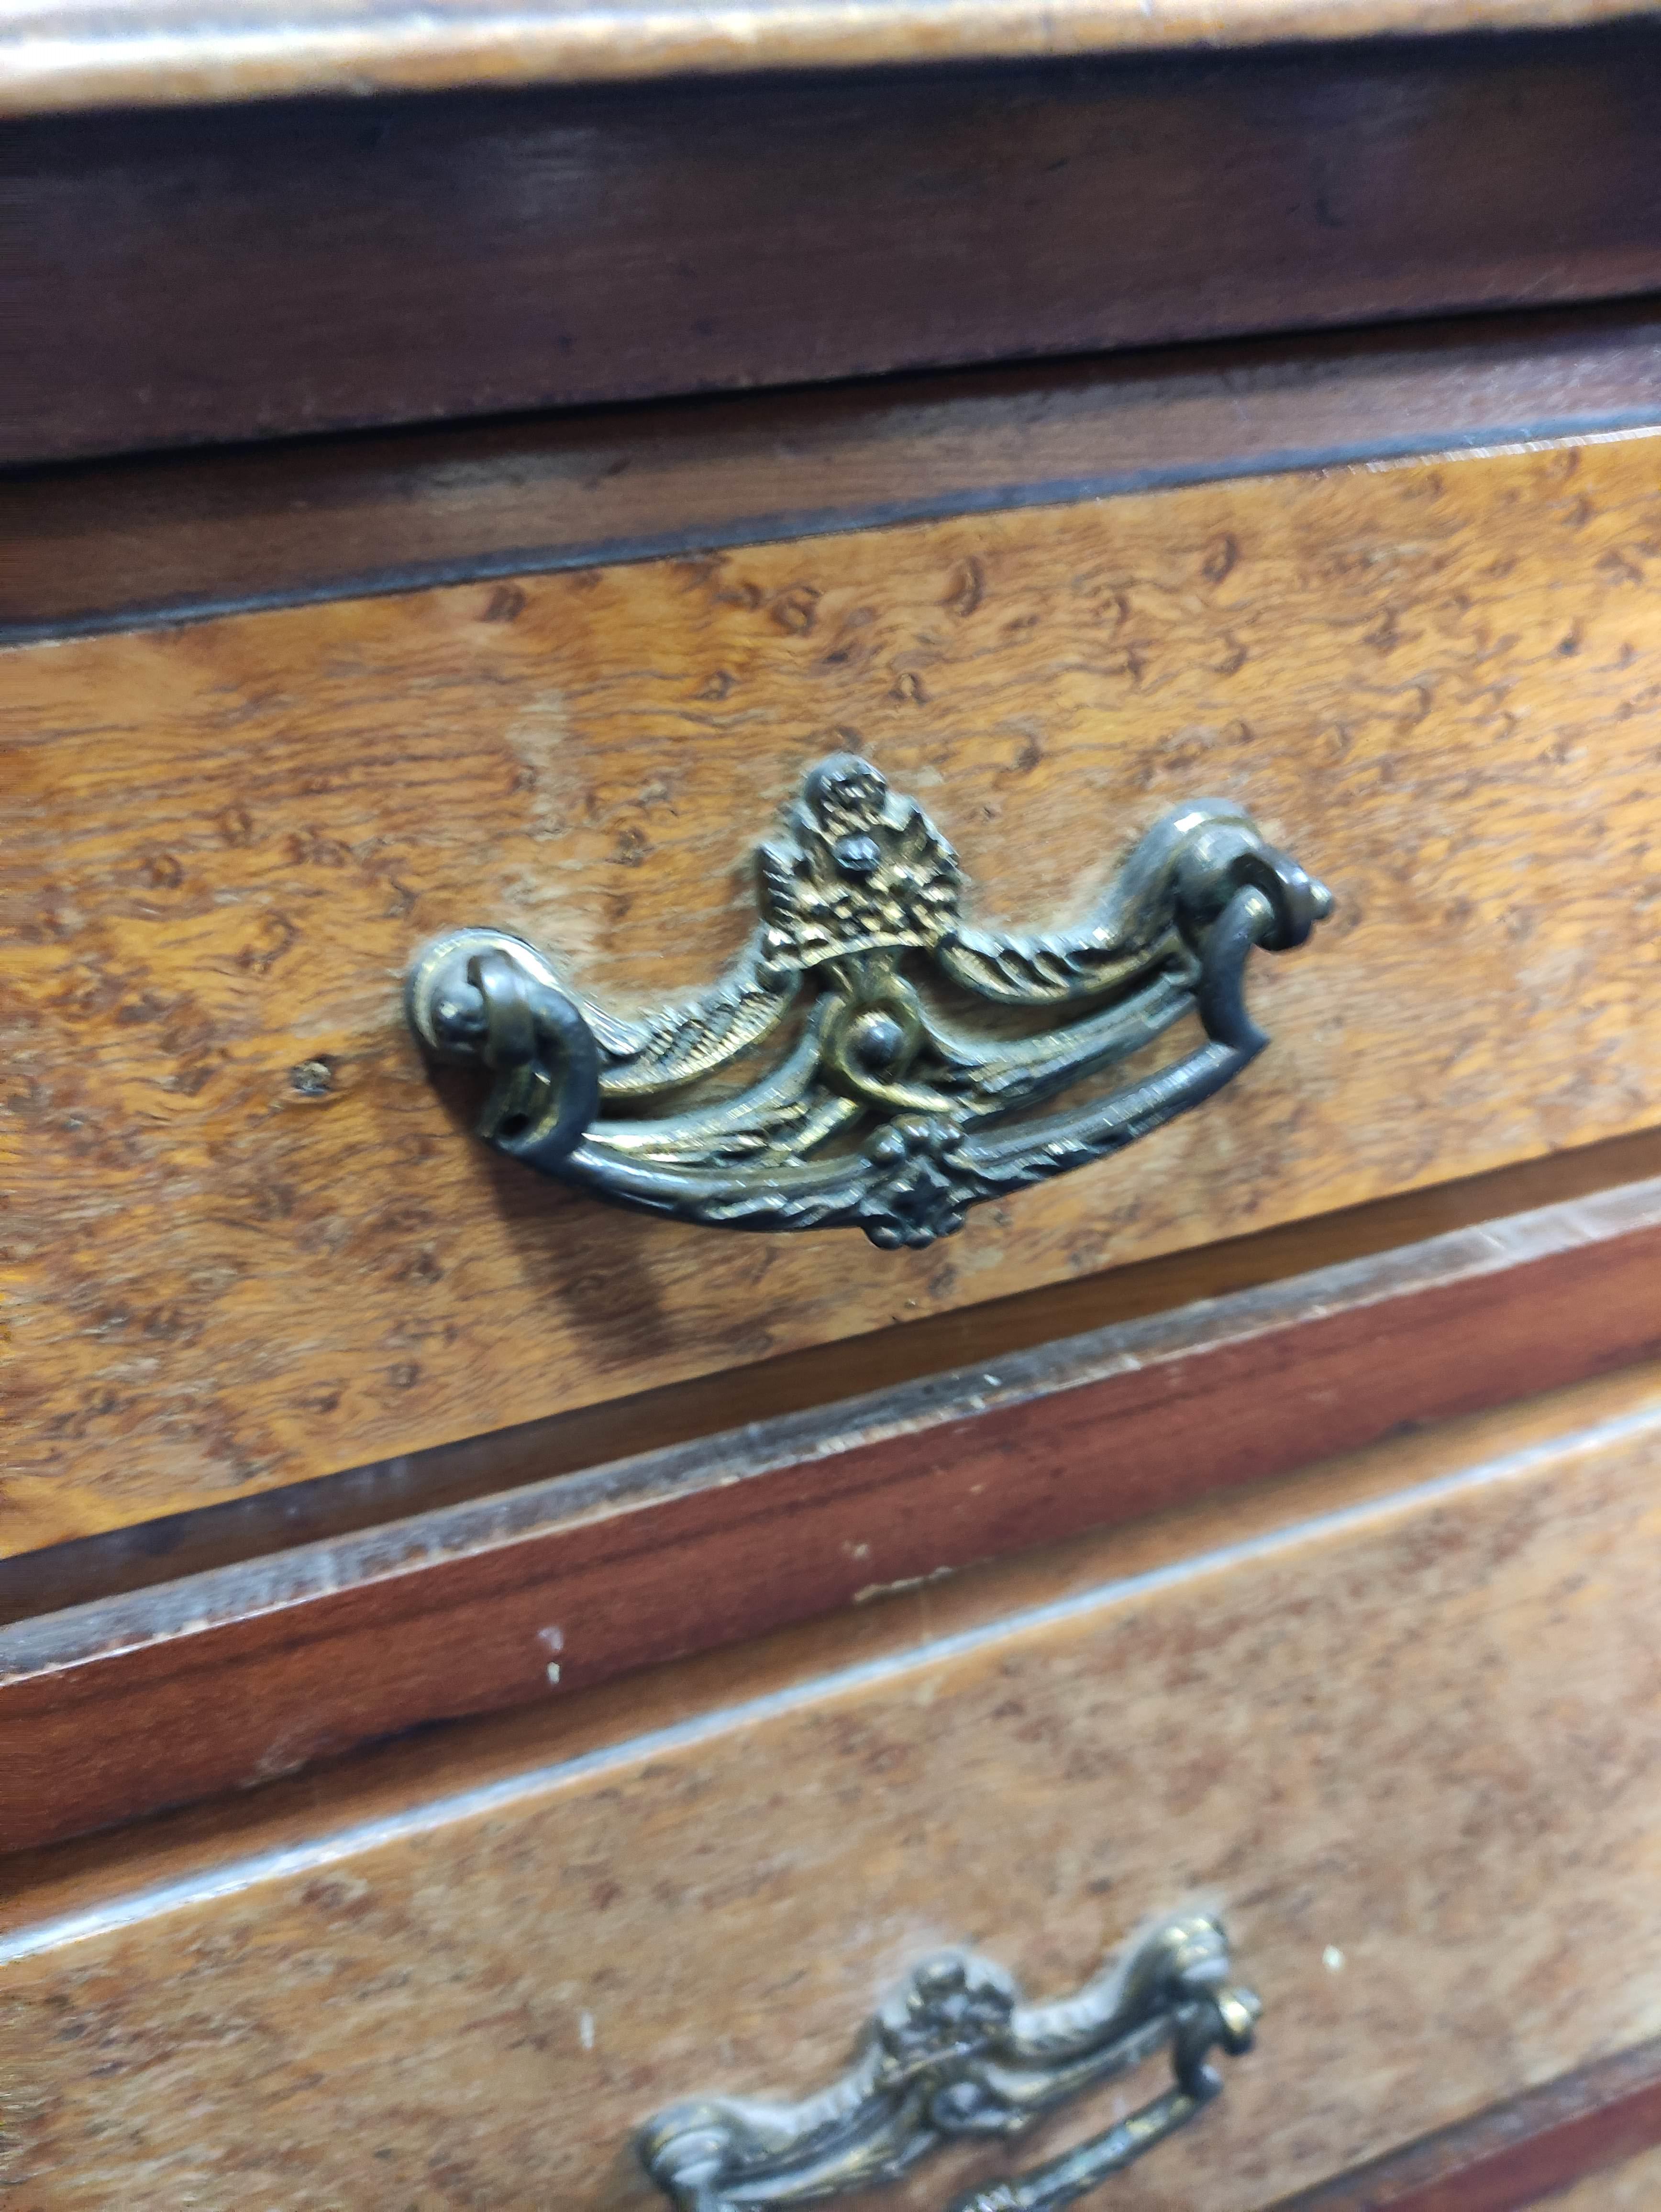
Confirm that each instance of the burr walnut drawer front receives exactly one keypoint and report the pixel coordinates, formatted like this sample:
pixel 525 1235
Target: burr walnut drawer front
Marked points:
pixel 253 1238
pixel 1394 1725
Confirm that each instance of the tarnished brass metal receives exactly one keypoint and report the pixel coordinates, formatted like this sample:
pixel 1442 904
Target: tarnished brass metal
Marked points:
pixel 955 2053
pixel 886 1112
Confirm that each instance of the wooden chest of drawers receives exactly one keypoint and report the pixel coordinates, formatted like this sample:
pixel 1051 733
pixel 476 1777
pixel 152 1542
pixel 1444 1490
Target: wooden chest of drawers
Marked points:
pixel 479 1667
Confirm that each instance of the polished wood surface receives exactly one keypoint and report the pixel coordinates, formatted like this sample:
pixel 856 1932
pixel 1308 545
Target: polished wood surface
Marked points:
pixel 217 1680
pixel 234 273
pixel 67 54
pixel 224 843
pixel 1584 2144
pixel 176 536
pixel 1406 1738
pixel 475 1667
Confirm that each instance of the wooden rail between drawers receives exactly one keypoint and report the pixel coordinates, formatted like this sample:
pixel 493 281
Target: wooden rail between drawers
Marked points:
pixel 118 1708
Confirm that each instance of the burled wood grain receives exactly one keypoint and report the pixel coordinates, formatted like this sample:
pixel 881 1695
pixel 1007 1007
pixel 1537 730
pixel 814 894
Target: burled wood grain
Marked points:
pixel 1410 1745
pixel 1435 682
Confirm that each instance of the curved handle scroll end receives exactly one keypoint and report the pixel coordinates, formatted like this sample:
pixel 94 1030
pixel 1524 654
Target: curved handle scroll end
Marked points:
pixel 477 997
pixel 1222 853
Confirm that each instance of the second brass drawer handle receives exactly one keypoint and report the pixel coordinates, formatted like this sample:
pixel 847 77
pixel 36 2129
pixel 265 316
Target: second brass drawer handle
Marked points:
pixel 887 1113
pixel 956 2052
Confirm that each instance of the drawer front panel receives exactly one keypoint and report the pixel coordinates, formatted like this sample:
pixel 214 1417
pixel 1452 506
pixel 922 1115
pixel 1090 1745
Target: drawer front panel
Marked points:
pixel 1408 1745
pixel 255 1241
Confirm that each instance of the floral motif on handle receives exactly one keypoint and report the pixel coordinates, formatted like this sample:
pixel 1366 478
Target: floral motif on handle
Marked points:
pixel 889 1113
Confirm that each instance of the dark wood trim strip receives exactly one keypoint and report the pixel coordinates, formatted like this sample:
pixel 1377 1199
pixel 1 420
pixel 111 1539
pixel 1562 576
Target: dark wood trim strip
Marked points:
pixel 182 537
pixel 1517 2154
pixel 118 1708
pixel 204 276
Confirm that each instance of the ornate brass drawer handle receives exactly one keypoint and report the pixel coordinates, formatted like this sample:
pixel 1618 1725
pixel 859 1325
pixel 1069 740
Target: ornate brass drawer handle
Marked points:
pixel 956 2052
pixel 886 1114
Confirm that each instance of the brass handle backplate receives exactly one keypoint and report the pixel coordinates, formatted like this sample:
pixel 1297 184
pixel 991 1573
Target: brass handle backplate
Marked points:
pixel 955 2053
pixel 887 1113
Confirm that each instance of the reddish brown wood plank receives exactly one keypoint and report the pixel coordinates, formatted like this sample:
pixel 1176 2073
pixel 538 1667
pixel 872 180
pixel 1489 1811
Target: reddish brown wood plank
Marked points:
pixel 181 536
pixel 117 1708
pixel 216 274
pixel 1519 2155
